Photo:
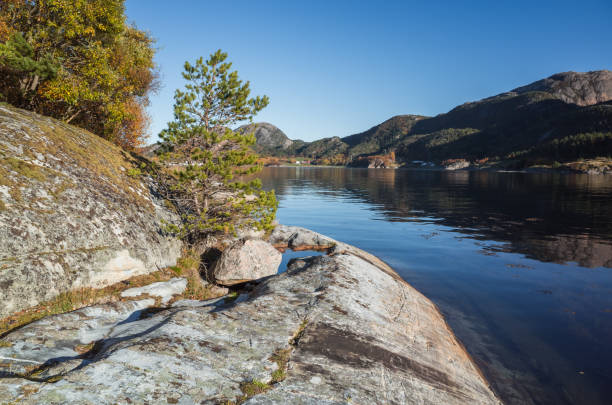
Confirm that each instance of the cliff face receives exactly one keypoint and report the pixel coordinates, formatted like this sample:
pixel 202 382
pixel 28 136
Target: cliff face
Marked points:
pixel 74 212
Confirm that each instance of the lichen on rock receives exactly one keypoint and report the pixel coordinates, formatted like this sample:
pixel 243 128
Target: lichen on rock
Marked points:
pixel 70 215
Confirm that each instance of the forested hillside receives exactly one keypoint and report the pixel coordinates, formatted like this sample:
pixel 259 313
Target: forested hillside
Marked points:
pixel 565 117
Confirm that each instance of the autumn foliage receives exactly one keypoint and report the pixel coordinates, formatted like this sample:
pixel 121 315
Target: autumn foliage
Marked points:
pixel 79 61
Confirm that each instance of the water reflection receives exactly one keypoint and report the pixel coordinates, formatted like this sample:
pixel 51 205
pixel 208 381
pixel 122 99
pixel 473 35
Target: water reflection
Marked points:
pixel 547 217
pixel 518 263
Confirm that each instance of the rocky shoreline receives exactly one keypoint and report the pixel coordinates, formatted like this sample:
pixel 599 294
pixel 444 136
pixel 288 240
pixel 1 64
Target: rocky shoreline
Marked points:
pixel 339 328
pixel 101 306
pixel 605 170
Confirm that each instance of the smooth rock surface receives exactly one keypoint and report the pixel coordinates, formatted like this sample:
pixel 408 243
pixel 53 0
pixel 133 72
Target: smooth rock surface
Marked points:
pixel 57 338
pixel 74 212
pixel 163 289
pixel 356 333
pixel 246 260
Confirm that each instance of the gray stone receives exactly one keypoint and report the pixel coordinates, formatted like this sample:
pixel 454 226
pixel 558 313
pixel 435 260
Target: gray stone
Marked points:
pixel 57 338
pixel 71 215
pixel 163 289
pixel 295 237
pixel 354 331
pixel 246 260
pixel 581 88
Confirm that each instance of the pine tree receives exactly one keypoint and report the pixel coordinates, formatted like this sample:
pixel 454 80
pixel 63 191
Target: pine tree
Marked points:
pixel 207 159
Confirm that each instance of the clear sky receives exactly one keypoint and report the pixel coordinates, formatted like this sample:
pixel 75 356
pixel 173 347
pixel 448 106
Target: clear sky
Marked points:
pixel 334 68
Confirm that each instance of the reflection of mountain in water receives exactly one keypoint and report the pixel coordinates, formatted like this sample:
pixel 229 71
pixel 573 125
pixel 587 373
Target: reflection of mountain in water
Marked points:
pixel 547 217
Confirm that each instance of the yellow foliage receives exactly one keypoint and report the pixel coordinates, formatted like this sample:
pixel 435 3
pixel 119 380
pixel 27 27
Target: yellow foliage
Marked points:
pixel 106 66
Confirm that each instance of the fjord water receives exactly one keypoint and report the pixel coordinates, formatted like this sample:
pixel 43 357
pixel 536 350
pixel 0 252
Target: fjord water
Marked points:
pixel 519 264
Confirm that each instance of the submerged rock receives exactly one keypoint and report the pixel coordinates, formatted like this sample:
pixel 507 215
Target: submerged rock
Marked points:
pixel 332 329
pixel 75 211
pixel 246 260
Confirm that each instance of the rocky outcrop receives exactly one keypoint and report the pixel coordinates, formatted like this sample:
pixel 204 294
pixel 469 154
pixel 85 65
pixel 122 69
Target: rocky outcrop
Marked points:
pixel 455 164
pixel 341 328
pixel 246 260
pixel 75 211
pixel 583 89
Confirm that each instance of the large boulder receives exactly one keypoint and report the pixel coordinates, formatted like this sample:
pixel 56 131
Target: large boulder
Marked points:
pixel 246 260
pixel 332 329
pixel 75 211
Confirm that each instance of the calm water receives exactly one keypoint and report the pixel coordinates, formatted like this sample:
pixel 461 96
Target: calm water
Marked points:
pixel 519 264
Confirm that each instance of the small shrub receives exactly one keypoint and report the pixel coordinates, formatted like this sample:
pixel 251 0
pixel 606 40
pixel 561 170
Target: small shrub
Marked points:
pixel 134 172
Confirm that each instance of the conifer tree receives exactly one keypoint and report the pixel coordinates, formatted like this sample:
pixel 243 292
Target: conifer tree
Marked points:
pixel 207 159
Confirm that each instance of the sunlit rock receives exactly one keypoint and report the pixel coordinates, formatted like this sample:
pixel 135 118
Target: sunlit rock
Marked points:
pixel 246 260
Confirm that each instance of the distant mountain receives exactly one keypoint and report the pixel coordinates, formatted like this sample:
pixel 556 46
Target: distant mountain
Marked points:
pixel 270 139
pixel 561 118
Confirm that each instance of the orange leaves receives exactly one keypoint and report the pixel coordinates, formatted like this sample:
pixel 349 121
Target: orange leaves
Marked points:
pixel 107 68
pixel 131 133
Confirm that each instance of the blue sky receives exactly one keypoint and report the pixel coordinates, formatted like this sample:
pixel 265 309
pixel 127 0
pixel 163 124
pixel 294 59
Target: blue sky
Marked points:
pixel 334 68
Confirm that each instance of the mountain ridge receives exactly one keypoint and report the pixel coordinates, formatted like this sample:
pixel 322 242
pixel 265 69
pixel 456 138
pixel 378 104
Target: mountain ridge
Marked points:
pixel 563 117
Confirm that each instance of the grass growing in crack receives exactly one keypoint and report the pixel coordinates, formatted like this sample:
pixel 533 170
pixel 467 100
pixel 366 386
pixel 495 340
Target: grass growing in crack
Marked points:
pixel 298 333
pixel 188 266
pixel 253 387
pixel 281 358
